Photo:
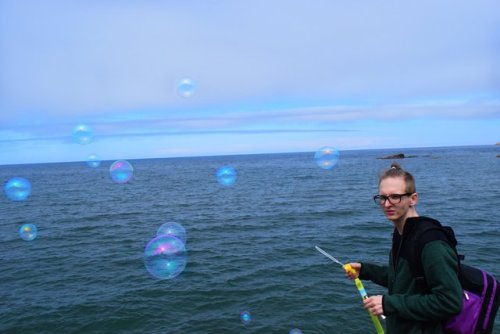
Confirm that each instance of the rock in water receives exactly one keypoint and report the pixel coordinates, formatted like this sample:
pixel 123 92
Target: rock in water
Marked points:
pixel 393 156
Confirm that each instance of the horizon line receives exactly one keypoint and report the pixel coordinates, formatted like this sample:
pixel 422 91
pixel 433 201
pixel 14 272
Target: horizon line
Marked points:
pixel 258 153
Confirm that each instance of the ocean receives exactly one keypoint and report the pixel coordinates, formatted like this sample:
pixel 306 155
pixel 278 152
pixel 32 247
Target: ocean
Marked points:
pixel 250 246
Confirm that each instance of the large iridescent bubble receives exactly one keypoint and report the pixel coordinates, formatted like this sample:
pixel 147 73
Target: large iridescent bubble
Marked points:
pixel 186 88
pixel 173 229
pixel 121 171
pixel 226 176
pixel 165 257
pixel 327 157
pixel 28 232
pixel 17 188
pixel 83 134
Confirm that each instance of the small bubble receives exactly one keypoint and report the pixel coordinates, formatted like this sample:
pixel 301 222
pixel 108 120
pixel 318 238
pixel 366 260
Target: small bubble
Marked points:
pixel 245 317
pixel 186 88
pixel 82 134
pixel 93 161
pixel 28 232
pixel 173 229
pixel 226 176
pixel 327 157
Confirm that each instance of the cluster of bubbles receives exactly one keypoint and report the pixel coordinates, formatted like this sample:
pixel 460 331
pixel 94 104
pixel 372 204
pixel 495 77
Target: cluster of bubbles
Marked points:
pixel 165 255
pixel 226 176
pixel 18 189
pixel 84 135
pixel 121 171
pixel 327 157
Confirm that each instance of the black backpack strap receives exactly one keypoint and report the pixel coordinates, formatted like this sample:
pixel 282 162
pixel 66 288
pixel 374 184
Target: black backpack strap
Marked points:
pixel 427 230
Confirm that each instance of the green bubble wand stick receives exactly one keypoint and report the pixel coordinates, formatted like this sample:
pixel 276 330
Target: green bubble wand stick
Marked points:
pixel 359 285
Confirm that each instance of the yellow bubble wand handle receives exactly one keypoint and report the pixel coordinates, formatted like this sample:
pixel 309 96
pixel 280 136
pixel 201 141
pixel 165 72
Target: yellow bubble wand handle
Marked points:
pixel 364 295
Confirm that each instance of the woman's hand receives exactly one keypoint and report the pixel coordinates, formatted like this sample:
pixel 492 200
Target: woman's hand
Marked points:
pixel 357 268
pixel 374 305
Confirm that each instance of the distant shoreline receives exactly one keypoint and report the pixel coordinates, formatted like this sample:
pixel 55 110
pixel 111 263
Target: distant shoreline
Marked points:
pixel 389 150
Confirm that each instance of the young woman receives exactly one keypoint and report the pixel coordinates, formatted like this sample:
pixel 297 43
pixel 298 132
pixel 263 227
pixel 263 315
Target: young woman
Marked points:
pixel 409 309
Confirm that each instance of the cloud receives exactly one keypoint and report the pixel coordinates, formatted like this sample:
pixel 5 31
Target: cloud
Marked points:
pixel 174 133
pixel 89 58
pixel 330 118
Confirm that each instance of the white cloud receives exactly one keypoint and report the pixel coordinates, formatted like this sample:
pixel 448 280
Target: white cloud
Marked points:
pixel 87 58
pixel 333 118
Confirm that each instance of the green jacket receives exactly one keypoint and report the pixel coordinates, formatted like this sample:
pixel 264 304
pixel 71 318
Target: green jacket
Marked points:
pixel 407 308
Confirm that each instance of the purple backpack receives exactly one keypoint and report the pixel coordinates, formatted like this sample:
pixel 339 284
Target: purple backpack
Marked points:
pixel 480 303
pixel 481 290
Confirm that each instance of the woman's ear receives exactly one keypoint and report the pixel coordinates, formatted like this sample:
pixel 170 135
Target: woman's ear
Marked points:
pixel 413 199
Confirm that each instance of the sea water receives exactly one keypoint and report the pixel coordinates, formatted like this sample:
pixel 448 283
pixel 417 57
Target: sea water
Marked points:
pixel 249 249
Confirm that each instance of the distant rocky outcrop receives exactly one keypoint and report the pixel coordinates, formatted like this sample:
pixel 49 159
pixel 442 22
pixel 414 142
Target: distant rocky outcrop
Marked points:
pixel 397 156
pixel 393 156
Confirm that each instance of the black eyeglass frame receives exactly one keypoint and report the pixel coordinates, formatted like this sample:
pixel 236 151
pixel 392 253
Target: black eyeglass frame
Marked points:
pixel 381 199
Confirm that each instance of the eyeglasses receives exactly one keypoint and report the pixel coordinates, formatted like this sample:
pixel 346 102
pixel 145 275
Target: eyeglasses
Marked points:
pixel 393 198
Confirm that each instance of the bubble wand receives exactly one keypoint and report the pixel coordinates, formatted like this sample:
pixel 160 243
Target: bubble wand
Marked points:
pixel 359 285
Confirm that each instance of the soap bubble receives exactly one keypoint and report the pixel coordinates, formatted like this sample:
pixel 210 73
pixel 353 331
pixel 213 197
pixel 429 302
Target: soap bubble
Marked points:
pixel 173 229
pixel 165 257
pixel 17 189
pixel 82 134
pixel 121 171
pixel 226 176
pixel 245 317
pixel 186 88
pixel 28 232
pixel 93 161
pixel 327 157
pixel 295 331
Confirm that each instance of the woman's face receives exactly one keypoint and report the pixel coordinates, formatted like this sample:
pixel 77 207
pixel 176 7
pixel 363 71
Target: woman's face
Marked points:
pixel 394 211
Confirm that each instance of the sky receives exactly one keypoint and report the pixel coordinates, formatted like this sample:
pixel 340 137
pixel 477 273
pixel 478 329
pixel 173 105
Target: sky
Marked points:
pixel 266 76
